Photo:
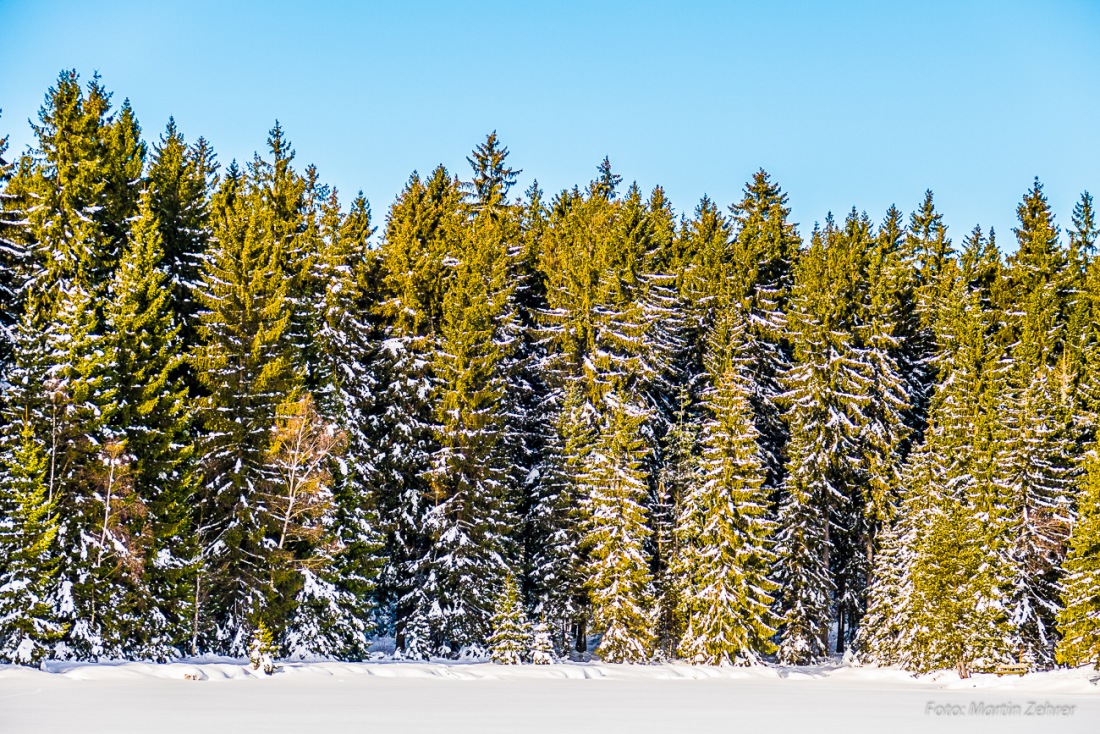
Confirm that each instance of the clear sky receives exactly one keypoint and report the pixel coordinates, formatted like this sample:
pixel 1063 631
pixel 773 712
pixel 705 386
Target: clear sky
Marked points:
pixel 844 103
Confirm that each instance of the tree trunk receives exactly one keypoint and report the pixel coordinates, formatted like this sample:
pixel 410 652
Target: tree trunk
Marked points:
pixel 581 643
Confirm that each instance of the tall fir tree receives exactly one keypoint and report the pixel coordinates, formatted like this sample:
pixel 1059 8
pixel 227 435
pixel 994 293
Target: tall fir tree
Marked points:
pixel 472 499
pixel 244 366
pixel 421 231
pixel 724 556
pixel 153 417
pixel 28 563
pixel 618 577
pixel 1079 617
pixel 179 178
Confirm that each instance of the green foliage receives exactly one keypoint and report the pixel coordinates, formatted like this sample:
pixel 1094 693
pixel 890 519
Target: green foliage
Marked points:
pixel 244 365
pixel 684 434
pixel 262 649
pixel 153 417
pixel 1079 617
pixel 542 645
pixel 619 582
pixel 28 531
pixel 724 555
pixel 510 640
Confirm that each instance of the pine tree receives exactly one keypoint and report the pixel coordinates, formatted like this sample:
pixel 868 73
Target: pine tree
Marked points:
pixel 1079 617
pixel 28 565
pixel 510 640
pixel 724 537
pixel 618 576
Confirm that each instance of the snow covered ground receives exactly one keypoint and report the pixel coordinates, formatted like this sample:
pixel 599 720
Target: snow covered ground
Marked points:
pixel 454 698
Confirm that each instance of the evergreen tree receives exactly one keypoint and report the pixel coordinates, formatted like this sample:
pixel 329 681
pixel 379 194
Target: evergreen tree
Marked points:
pixel 421 231
pixel 245 370
pixel 724 537
pixel 542 645
pixel 1079 617
pixel 941 582
pixel 88 479
pixel 554 523
pixel 802 567
pixel 346 386
pixel 678 474
pixel 618 576
pixel 13 260
pixel 764 249
pixel 179 176
pixel 958 621
pixel 511 635
pixel 828 388
pixel 1040 451
pixel 28 566
pixel 472 508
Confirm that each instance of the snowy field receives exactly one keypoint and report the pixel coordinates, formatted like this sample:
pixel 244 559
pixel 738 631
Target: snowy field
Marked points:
pixel 200 697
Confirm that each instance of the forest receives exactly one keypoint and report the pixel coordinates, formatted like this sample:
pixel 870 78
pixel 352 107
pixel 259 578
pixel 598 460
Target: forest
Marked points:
pixel 530 426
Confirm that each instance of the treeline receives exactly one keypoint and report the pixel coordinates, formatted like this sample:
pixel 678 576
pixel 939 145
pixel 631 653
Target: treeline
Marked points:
pixel 225 409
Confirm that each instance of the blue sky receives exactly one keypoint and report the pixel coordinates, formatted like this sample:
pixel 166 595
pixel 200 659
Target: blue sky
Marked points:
pixel 845 103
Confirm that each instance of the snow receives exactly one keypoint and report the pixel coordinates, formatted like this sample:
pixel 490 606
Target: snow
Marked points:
pixel 223 694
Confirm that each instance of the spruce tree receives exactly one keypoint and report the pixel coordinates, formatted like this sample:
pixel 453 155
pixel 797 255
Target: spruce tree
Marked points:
pixel 542 645
pixel 940 583
pixel 13 260
pixel 179 177
pixel 763 253
pixel 66 178
pixel 244 366
pixel 472 510
pixel 957 620
pixel 802 567
pixel 28 564
pixel 1079 617
pixel 152 417
pixel 346 384
pixel 724 555
pixel 618 576
pixel 88 479
pixel 828 388
pixel 1040 445
pixel 554 523
pixel 421 231
pixel 510 639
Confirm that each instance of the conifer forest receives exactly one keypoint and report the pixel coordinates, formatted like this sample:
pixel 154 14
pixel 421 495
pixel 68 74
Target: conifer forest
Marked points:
pixel 238 405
